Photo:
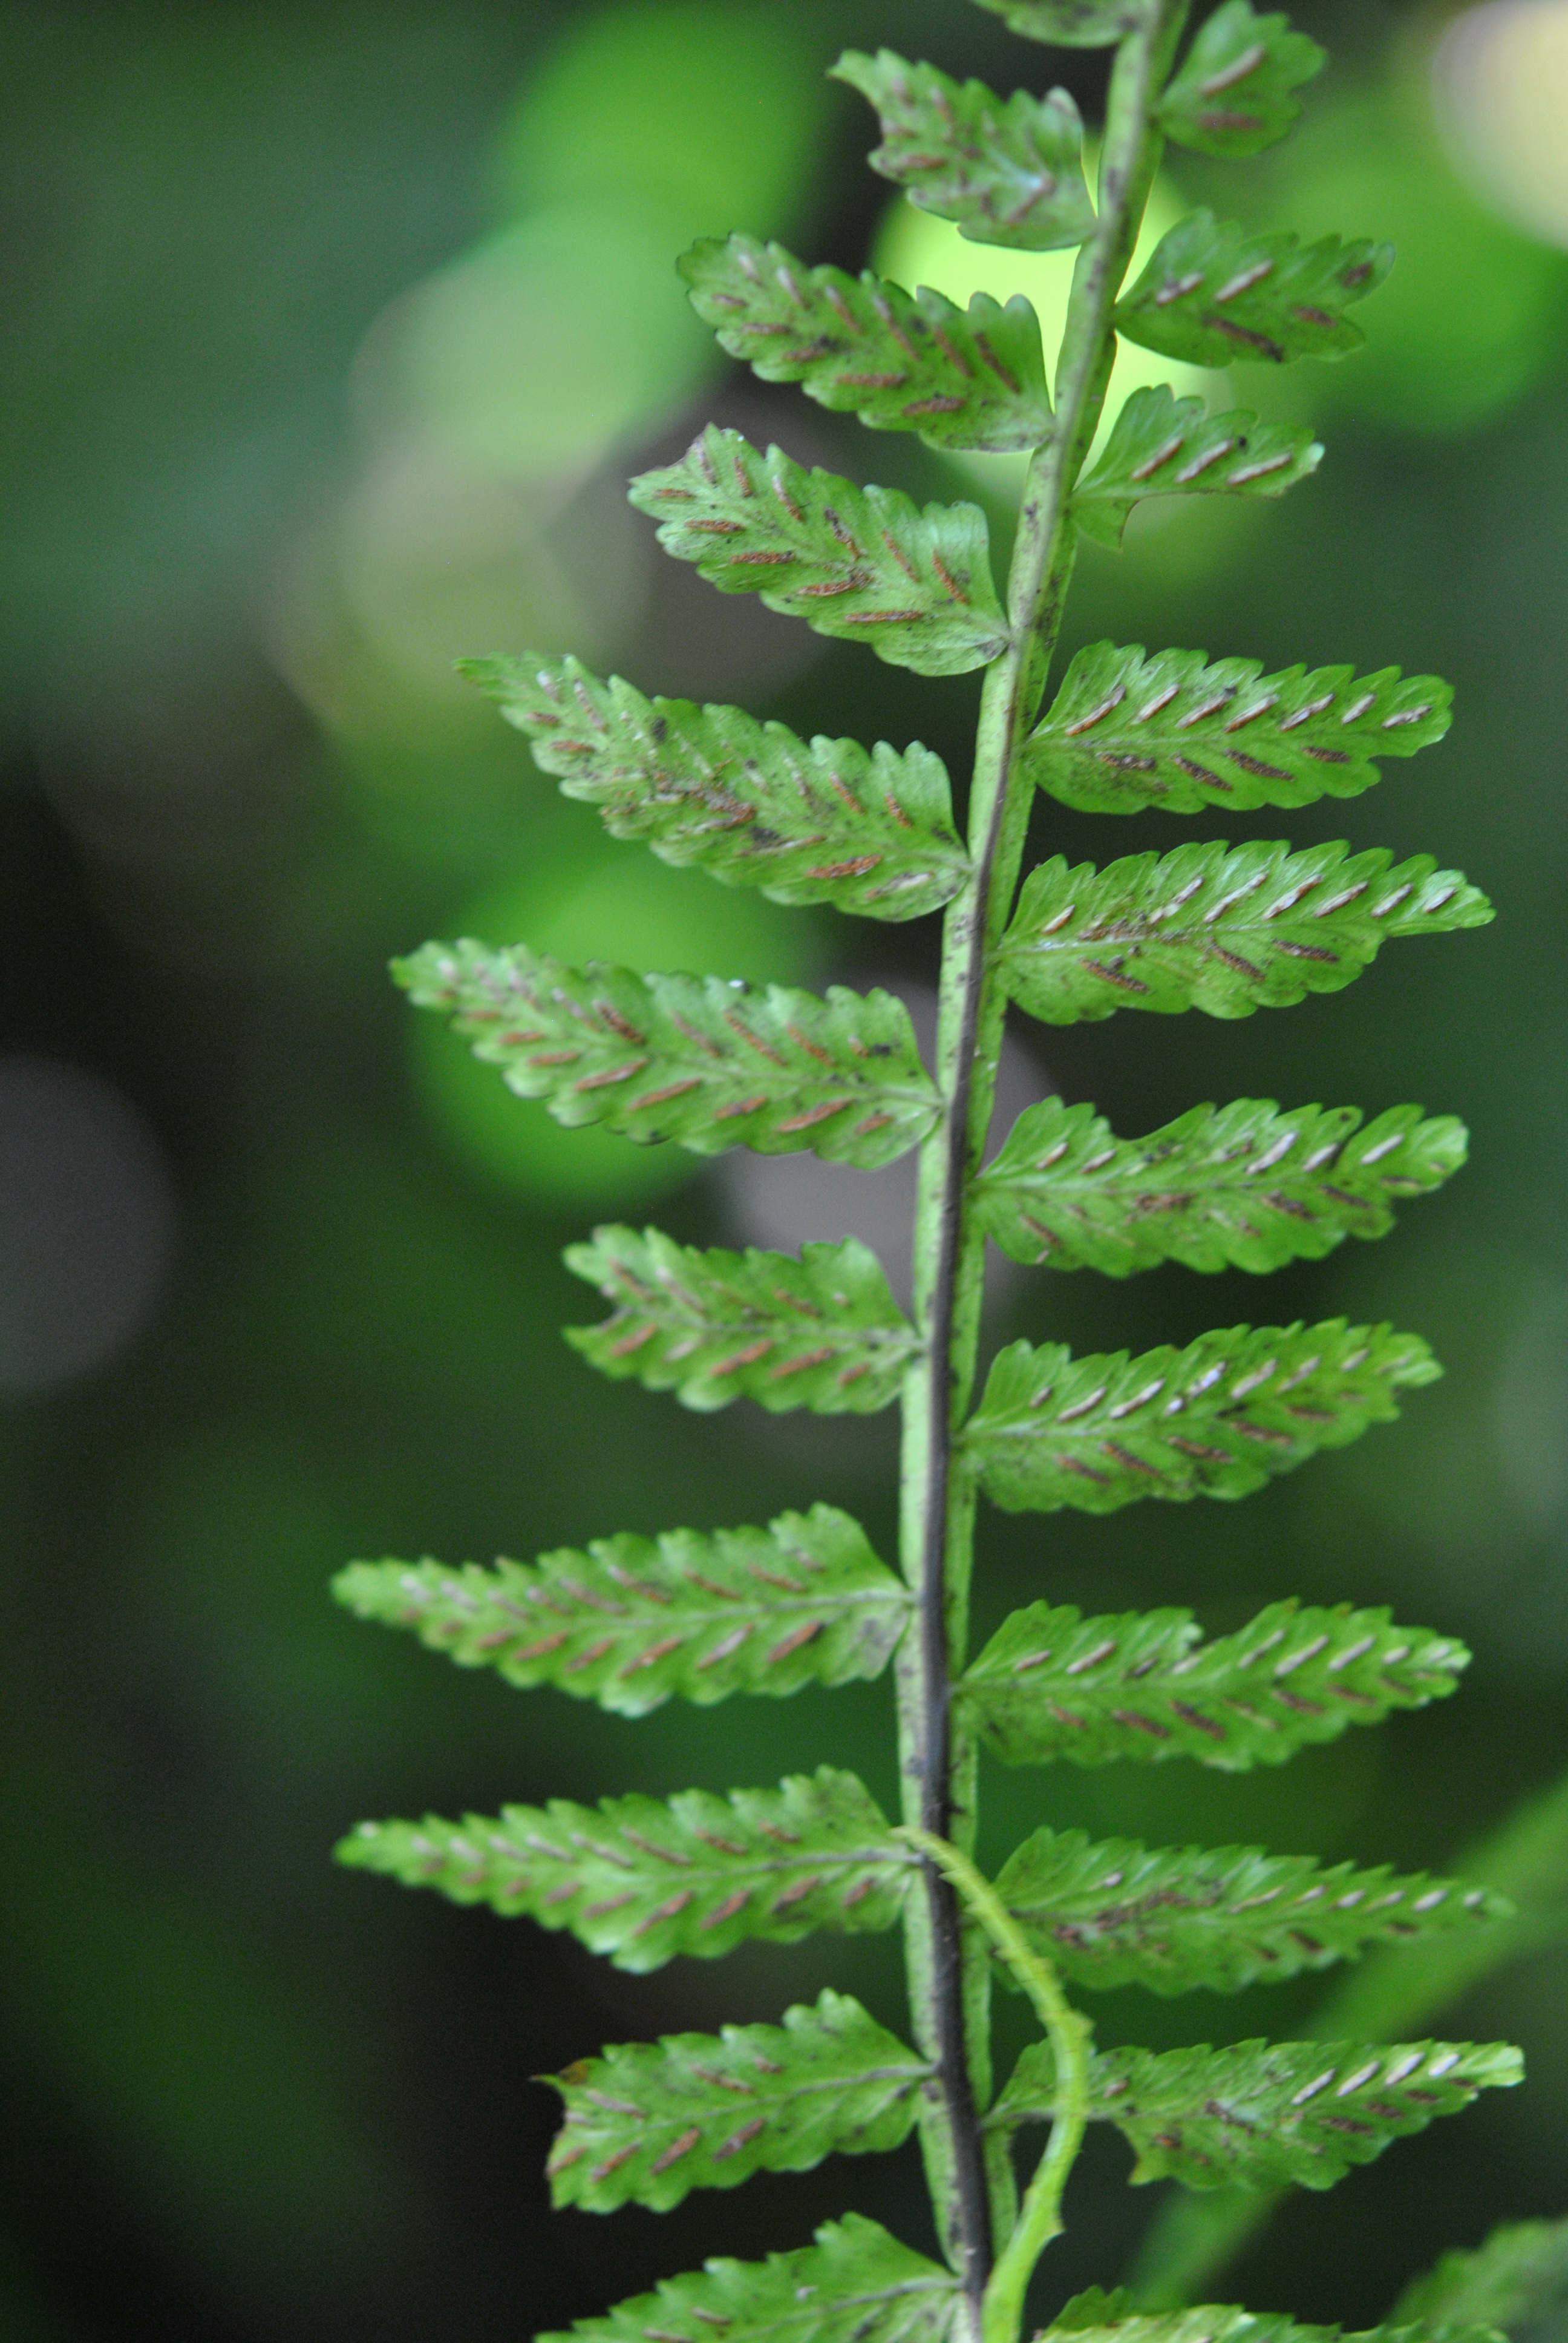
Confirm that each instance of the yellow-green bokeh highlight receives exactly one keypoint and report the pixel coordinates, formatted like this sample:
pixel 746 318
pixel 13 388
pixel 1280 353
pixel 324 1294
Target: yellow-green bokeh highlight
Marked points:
pixel 709 110
pixel 640 913
pixel 1500 75
pixel 538 349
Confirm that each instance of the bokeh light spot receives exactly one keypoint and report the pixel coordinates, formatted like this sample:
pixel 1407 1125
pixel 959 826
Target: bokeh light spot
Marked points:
pixel 537 350
pixel 86 1223
pixel 711 108
pixel 1500 78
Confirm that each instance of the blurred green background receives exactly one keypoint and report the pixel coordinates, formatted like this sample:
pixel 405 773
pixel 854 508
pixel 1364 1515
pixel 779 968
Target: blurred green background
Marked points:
pixel 331 331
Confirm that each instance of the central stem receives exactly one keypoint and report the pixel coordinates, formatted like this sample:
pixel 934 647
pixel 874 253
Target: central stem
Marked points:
pixel 970 2179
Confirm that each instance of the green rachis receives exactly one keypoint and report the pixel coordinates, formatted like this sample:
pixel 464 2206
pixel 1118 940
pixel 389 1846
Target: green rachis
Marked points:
pixel 630 1621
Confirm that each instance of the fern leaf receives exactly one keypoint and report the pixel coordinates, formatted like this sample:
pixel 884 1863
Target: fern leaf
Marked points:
pixel 634 1622
pixel 1163 446
pixel 1218 1418
pixel 1213 293
pixel 1073 24
pixel 1236 93
pixel 709 1063
pixel 1242 1186
pixel 862 563
pixel 1261 2115
pixel 1224 929
pixel 1096 2306
pixel 1177 1919
pixel 642 1879
pixel 855 2285
pixel 648 2122
pixel 823 1332
pixel 751 804
pixel 973 379
pixel 1051 1683
pixel 1181 734
pixel 1214 2323
pixel 1516 2280
pixel 1005 171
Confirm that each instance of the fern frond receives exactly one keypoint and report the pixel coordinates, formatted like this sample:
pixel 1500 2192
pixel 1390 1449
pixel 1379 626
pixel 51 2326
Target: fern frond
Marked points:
pixel 647 2122
pixel 822 1332
pixel 1218 1418
pixel 1178 733
pixel 1213 293
pixel 1516 2280
pixel 709 1063
pixel 1243 1186
pixel 643 1879
pixel 1071 24
pixel 633 1622
pixel 1005 171
pixel 1236 93
pixel 751 804
pixel 855 2285
pixel 1177 1919
pixel 972 379
pixel 1051 1683
pixel 1163 446
pixel 1262 2115
pixel 1224 929
pixel 863 563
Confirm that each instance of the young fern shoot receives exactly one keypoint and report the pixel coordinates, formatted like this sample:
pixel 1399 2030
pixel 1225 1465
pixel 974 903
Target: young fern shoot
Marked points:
pixel 630 1621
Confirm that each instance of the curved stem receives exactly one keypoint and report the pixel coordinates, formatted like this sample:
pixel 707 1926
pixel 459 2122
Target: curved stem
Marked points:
pixel 971 2186
pixel 1069 2030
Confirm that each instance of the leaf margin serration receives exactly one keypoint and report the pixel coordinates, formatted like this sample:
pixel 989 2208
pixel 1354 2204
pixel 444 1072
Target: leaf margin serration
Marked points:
pixel 1155 431
pixel 1215 1189
pixel 702 761
pixel 1519 2269
pixel 1282 298
pixel 706 1063
pixel 1257 2107
pixel 1176 1694
pixel 864 544
pixel 1237 1406
pixel 1184 692
pixel 1071 24
pixel 1120 918
pixel 1034 143
pixel 475 1861
pixel 828 2079
pixel 853 2265
pixel 841 1366
pixel 1209 71
pixel 1185 1919
pixel 841 1634
pixel 968 380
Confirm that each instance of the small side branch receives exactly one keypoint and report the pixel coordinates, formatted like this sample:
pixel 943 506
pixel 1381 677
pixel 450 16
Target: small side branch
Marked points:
pixel 1039 2219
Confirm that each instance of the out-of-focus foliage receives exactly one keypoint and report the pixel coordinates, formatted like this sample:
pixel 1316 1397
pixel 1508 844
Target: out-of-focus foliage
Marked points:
pixel 254 502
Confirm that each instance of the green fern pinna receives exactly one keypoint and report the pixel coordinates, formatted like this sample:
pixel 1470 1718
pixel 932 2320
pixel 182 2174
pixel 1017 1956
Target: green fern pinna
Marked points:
pixel 631 1622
